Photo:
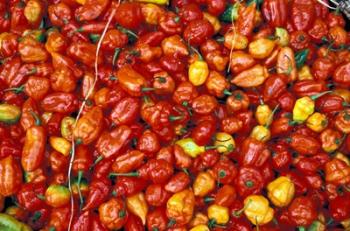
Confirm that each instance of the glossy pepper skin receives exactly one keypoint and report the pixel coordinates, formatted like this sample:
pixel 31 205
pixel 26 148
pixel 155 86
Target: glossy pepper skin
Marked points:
pixel 180 207
pixel 11 176
pixel 281 191
pixel 257 209
pixel 113 213
pixel 302 211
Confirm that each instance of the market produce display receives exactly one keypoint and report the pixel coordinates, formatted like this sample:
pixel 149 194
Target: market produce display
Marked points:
pixel 187 115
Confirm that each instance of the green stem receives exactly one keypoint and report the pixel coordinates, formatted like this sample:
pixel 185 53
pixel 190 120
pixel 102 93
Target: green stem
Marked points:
pixel 239 212
pixel 115 56
pixel 144 89
pixel 227 92
pixel 208 199
pixel 80 176
pixel 314 97
pixel 174 118
pixel 16 90
pixel 36 117
pixel 133 174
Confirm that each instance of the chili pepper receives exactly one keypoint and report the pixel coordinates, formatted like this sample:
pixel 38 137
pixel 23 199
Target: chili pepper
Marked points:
pixel 218 214
pixel 34 148
pixel 177 182
pixel 10 223
pixel 252 77
pixel 342 121
pixel 198 72
pixel 128 162
pixel 231 13
pixel 261 48
pixel 331 140
pixel 59 102
pixel 190 147
pixel 304 107
pixel 302 211
pixel 197 31
pixel 180 207
pixel 134 223
pixel 257 210
pixel 28 196
pixel 342 157
pixel 249 181
pixel 148 143
pixel 113 213
pixel 98 193
pixel 339 207
pixel 137 205
pixel 60 144
pixel 337 172
pixel 261 133
pixel 157 219
pixel 8 44
pixel 253 153
pixel 156 195
pixel 9 113
pixel 82 222
pixel 127 186
pixel 10 175
pixel 275 12
pixel 245 20
pixel 317 122
pixel 203 184
pixel 57 195
pixel 89 126
pixel 281 191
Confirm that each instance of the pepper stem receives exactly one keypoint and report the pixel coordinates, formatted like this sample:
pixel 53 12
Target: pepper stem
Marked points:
pixel 174 118
pixel 136 174
pixel 115 56
pixel 80 176
pixel 208 199
pixel 16 90
pixel 227 92
pixel 239 212
pixel 144 89
pixel 36 117
pixel 314 97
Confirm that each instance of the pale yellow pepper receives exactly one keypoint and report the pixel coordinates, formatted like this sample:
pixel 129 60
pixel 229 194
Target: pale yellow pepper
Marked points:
pixel 198 72
pixel 151 13
pixel 341 156
pixel 137 205
pixel 224 142
pixel 305 73
pixel 317 122
pixel 60 144
pixel 303 108
pixel 203 184
pixel 219 214
pixel 180 207
pixel 214 21
pixel 190 147
pixel 263 114
pixel 235 41
pixel 257 210
pixel 261 133
pixel 67 124
pixel 281 191
pixel 200 228
pixel 261 48
pixel 282 36
pixel 81 2
pixel 199 219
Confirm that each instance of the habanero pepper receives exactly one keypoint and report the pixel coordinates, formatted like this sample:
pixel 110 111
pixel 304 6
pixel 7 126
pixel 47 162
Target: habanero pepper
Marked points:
pixel 10 175
pixel 113 213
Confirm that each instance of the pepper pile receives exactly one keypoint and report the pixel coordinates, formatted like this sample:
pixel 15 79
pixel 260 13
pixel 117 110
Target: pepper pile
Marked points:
pixel 194 115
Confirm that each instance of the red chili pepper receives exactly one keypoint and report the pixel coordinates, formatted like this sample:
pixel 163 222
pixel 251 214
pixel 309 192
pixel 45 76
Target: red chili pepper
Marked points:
pixel 340 207
pixel 31 196
pixel 10 176
pixel 156 195
pixel 99 190
pixel 275 12
pixel 302 211
pixel 253 153
pixel 249 181
pixel 157 219
pixel 127 186
pixel 82 222
pixel 304 144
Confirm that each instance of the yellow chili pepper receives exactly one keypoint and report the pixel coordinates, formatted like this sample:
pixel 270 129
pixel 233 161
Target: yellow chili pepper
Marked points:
pixel 282 36
pixel 257 210
pixel 159 2
pixel 198 72
pixel 252 77
pixel 180 207
pixel 190 147
pixel 341 156
pixel 261 48
pixel 137 205
pixel 9 114
pixel 317 122
pixel 261 133
pixel 224 142
pixel 281 191
pixel 305 73
pixel 67 124
pixel 33 11
pixel 60 144
pixel 235 41
pixel 303 108
pixel 219 214
pixel 151 13
pixel 57 195
pixel 214 21
pixel 199 219
pixel 203 184
pixel 200 228
pixel 263 114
